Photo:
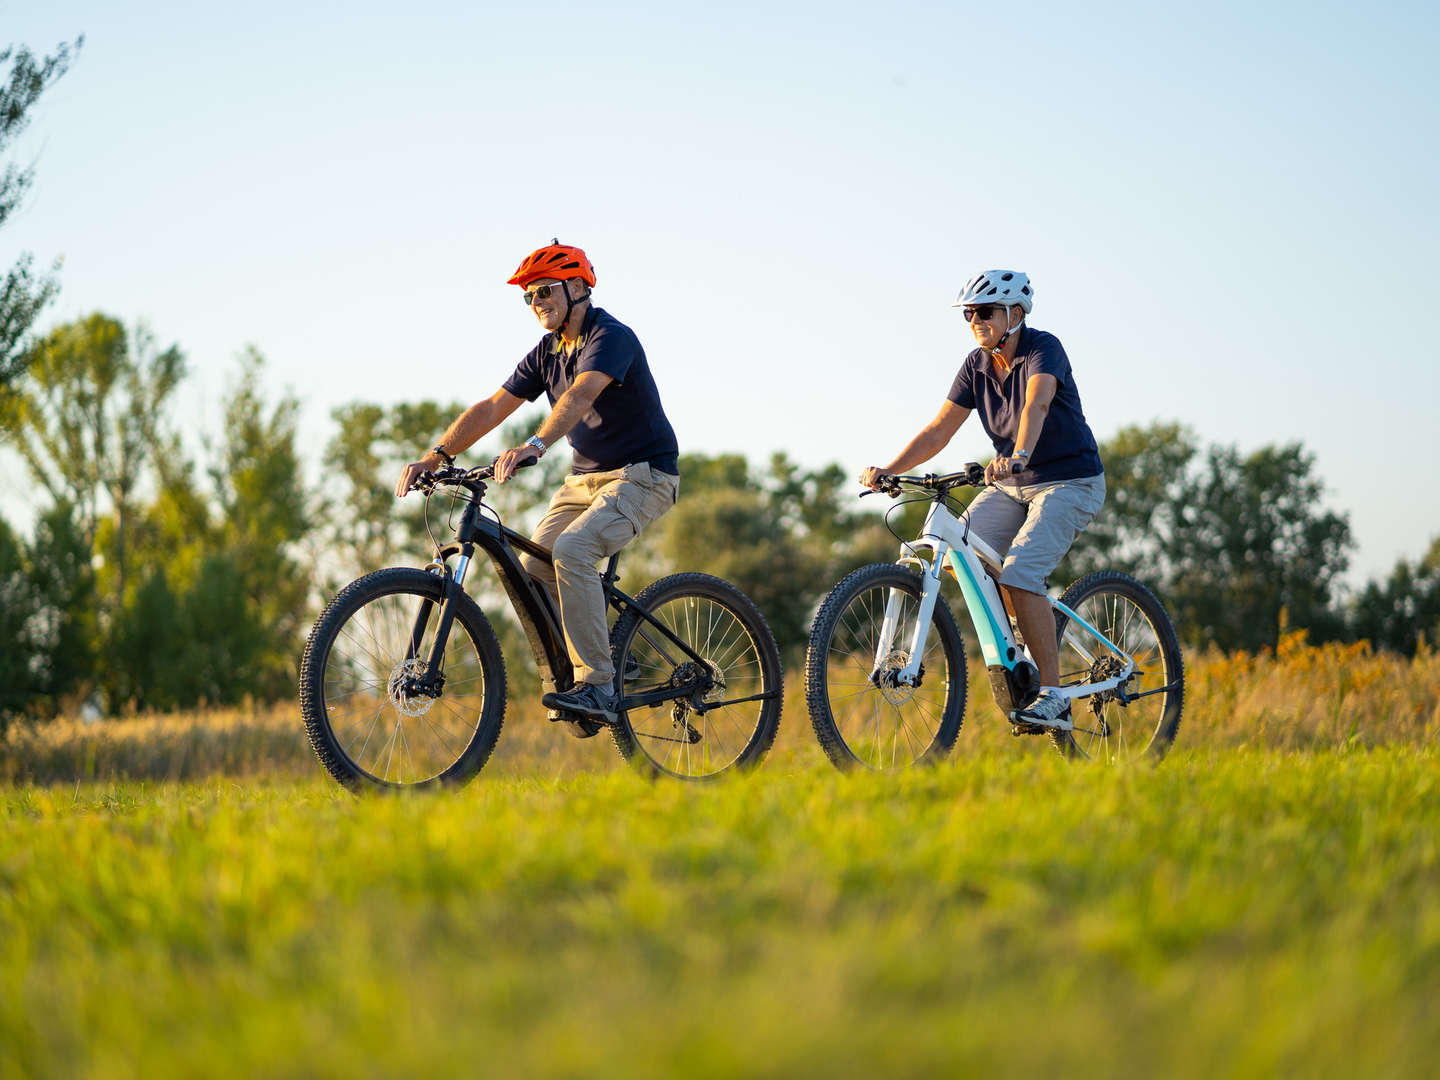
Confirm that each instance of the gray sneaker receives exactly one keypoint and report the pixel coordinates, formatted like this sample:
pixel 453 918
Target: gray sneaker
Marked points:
pixel 589 700
pixel 1050 710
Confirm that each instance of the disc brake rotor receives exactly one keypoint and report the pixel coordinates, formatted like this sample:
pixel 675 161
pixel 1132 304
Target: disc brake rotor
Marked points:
pixel 885 679
pixel 401 688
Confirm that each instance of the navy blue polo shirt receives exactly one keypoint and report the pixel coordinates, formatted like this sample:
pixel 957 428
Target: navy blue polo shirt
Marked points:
pixel 1066 449
pixel 626 425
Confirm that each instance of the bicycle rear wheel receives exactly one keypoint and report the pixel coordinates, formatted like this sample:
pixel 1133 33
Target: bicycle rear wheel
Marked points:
pixel 1139 718
pixel 741 710
pixel 367 724
pixel 860 714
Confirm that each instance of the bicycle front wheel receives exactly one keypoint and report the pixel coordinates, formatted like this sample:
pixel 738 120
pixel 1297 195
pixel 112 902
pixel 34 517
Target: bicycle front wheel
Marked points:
pixel 1140 717
pixel 860 713
pixel 373 718
pixel 735 723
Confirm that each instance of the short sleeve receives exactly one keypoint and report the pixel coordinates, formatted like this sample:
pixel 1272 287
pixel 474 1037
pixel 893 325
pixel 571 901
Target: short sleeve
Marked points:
pixel 528 381
pixel 1050 359
pixel 609 350
pixel 962 388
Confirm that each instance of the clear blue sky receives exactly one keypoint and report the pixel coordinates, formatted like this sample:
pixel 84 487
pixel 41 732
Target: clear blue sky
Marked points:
pixel 1228 210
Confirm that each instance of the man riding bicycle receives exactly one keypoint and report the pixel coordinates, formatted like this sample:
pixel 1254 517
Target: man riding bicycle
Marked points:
pixel 1048 482
pixel 625 470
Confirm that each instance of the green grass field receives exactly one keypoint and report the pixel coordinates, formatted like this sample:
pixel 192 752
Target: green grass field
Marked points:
pixel 1266 902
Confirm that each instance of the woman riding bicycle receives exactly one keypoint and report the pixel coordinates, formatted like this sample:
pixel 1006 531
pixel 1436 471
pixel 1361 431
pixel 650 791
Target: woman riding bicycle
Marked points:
pixel 1048 482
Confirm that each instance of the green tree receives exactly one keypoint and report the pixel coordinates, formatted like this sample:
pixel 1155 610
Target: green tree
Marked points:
pixel 46 616
pixel 218 597
pixel 366 526
pixel 1253 552
pixel 264 517
pixel 1405 609
pixel 784 535
pixel 734 534
pixel 23 292
pixel 92 415
pixel 1145 477
pixel 16 604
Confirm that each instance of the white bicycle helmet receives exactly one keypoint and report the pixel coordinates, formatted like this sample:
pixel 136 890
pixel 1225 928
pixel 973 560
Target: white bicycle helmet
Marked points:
pixel 997 287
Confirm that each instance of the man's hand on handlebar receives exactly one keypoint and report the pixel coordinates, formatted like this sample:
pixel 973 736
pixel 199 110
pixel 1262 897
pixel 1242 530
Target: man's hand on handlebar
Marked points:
pixel 408 476
pixel 517 457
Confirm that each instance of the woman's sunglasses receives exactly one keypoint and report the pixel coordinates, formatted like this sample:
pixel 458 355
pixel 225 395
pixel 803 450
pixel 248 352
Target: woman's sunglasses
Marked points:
pixel 985 312
pixel 540 292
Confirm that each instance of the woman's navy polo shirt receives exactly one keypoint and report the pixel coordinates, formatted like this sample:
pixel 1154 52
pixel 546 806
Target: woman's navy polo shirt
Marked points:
pixel 1066 449
pixel 626 425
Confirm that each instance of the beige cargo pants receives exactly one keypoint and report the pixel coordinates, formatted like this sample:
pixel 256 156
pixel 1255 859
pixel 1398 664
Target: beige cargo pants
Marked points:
pixel 591 517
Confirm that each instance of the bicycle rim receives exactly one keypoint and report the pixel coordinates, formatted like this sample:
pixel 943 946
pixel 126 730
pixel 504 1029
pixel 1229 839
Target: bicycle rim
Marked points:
pixel 1107 728
pixel 860 714
pixel 389 736
pixel 673 736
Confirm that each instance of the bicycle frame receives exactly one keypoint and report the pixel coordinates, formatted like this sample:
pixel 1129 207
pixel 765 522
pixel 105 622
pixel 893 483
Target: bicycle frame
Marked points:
pixel 536 611
pixel 974 565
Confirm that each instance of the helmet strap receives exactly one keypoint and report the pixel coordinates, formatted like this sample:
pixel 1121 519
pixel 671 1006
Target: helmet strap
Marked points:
pixel 569 305
pixel 1000 345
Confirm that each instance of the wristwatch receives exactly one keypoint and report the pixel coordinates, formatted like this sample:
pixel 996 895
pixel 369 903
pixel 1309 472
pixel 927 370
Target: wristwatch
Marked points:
pixel 537 442
pixel 1020 453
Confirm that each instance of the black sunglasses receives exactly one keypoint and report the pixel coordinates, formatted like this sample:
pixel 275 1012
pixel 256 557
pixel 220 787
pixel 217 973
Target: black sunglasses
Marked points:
pixel 985 312
pixel 540 292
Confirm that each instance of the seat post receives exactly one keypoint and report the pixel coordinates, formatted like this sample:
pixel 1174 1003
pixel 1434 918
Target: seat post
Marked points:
pixel 610 574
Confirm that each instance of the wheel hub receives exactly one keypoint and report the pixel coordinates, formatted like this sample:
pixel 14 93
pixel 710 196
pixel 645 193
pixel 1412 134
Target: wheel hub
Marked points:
pixel 403 688
pixel 1107 667
pixel 887 678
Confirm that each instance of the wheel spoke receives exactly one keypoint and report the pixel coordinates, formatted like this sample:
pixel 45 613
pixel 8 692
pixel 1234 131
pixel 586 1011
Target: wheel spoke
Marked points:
pixel 374 711
pixel 858 708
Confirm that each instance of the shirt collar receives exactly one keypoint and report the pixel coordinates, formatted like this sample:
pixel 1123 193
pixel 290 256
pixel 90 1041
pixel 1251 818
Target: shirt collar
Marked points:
pixel 985 359
pixel 557 342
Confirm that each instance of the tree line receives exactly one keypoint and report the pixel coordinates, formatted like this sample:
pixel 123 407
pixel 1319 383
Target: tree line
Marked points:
pixel 159 577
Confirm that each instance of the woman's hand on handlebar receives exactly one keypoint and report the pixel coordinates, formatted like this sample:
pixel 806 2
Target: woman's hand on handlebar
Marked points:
pixel 1003 468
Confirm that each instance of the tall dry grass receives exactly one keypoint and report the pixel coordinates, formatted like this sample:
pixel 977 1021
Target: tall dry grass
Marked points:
pixel 1312 697
pixel 1297 697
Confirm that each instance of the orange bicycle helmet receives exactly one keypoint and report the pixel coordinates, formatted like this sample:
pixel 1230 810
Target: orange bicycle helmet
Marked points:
pixel 554 260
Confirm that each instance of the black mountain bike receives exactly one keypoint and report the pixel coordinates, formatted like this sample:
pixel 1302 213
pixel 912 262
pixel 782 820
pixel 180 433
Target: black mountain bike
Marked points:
pixel 402 684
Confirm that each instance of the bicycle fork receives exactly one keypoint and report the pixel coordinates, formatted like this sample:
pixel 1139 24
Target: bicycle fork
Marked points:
pixel 433 680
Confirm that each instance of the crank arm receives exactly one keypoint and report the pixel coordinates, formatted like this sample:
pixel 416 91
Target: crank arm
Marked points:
pixel 705 707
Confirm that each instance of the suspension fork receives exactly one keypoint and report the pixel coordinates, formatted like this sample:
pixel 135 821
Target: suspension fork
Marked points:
pixel 452 590
pixel 890 626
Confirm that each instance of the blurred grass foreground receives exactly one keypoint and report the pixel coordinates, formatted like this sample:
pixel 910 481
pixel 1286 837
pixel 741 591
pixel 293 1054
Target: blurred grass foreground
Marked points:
pixel 190 895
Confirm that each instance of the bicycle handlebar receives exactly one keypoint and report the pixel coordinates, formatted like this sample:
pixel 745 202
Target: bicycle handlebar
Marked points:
pixel 472 480
pixel 973 475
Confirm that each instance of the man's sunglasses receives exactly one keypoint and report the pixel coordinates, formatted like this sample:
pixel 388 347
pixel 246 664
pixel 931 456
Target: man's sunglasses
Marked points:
pixel 541 292
pixel 985 312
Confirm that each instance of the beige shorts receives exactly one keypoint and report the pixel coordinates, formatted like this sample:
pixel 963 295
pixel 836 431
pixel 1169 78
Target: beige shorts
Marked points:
pixel 1032 526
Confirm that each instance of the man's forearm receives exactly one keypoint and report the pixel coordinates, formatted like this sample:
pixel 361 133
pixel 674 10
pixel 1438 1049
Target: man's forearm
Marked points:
pixel 469 428
pixel 564 416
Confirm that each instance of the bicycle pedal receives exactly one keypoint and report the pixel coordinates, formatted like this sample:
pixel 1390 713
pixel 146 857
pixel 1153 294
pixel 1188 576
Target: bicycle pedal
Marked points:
pixel 582 727
pixel 1028 729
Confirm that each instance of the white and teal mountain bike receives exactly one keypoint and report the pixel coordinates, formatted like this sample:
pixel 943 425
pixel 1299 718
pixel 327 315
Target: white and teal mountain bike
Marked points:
pixel 885 678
